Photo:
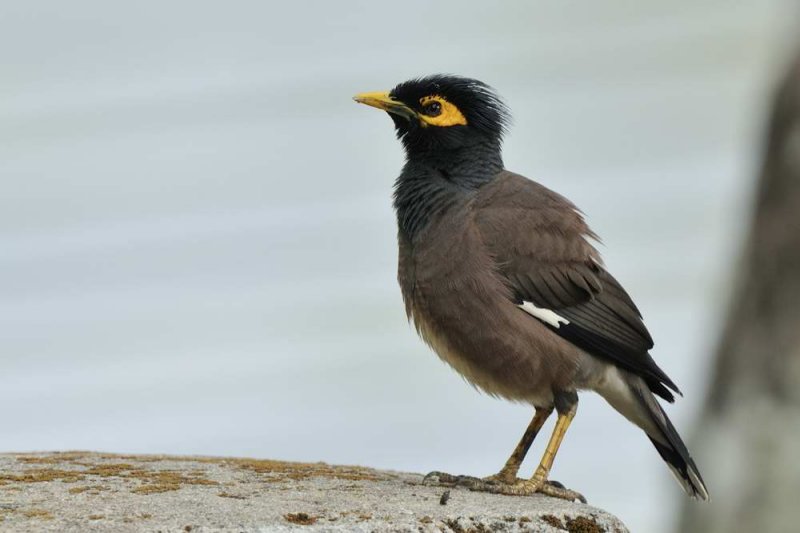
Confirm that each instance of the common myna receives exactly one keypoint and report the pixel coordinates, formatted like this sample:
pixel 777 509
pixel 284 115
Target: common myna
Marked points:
pixel 500 278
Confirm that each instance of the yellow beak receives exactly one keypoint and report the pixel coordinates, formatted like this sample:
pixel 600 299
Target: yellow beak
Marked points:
pixel 382 100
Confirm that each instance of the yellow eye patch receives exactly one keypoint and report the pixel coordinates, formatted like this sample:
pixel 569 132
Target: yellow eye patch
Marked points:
pixel 436 111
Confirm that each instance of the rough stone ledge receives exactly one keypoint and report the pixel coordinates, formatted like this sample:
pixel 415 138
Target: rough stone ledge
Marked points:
pixel 85 491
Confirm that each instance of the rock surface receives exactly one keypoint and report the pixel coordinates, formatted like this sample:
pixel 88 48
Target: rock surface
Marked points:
pixel 83 491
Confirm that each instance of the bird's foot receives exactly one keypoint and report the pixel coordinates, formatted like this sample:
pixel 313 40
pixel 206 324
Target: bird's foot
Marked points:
pixel 503 484
pixel 528 487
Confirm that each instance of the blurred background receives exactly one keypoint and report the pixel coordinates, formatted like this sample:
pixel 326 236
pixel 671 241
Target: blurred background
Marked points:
pixel 199 252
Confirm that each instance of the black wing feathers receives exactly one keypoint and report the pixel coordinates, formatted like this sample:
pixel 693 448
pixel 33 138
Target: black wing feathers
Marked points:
pixel 602 322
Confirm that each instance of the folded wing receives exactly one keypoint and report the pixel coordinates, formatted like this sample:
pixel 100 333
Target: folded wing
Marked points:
pixel 540 244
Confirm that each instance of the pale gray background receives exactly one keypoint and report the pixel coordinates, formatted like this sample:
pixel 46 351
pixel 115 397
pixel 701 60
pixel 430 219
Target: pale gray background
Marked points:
pixel 197 249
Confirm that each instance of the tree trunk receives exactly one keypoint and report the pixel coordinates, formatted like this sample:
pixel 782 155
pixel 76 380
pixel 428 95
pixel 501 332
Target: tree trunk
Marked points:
pixel 748 439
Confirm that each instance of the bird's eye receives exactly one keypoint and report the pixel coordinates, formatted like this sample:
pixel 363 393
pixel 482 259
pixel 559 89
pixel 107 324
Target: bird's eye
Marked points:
pixel 432 109
pixel 436 110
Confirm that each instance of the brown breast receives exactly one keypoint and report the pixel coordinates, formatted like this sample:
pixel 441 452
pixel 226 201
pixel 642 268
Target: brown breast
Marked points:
pixel 463 310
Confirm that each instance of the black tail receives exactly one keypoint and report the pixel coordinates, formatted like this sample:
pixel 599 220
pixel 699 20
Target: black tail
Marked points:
pixel 631 396
pixel 671 448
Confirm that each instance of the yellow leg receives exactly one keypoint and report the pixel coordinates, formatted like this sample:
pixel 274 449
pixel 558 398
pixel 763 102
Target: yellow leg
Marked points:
pixel 508 474
pixel 539 479
pixel 506 482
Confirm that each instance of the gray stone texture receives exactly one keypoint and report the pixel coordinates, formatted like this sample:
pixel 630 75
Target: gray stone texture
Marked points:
pixel 83 491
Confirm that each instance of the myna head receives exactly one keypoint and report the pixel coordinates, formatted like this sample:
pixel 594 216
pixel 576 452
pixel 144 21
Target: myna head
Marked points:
pixel 442 112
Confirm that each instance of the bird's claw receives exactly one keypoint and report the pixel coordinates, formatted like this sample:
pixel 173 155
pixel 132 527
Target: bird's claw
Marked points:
pixel 557 490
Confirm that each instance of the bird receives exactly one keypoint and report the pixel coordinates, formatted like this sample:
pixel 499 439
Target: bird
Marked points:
pixel 501 277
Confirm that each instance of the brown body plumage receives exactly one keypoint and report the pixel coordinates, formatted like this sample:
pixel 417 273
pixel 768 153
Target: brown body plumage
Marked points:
pixel 462 305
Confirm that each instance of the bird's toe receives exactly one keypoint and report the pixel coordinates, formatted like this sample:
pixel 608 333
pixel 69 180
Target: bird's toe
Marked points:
pixel 486 484
pixel 529 487
pixel 558 490
pixel 449 480
pixel 520 487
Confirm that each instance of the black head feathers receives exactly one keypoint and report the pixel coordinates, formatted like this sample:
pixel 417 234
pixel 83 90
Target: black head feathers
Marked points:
pixel 450 112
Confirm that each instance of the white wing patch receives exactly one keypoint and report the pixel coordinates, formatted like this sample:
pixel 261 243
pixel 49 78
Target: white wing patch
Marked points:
pixel 545 315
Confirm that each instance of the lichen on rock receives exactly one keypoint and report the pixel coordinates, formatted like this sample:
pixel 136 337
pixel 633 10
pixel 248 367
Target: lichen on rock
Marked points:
pixel 79 491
